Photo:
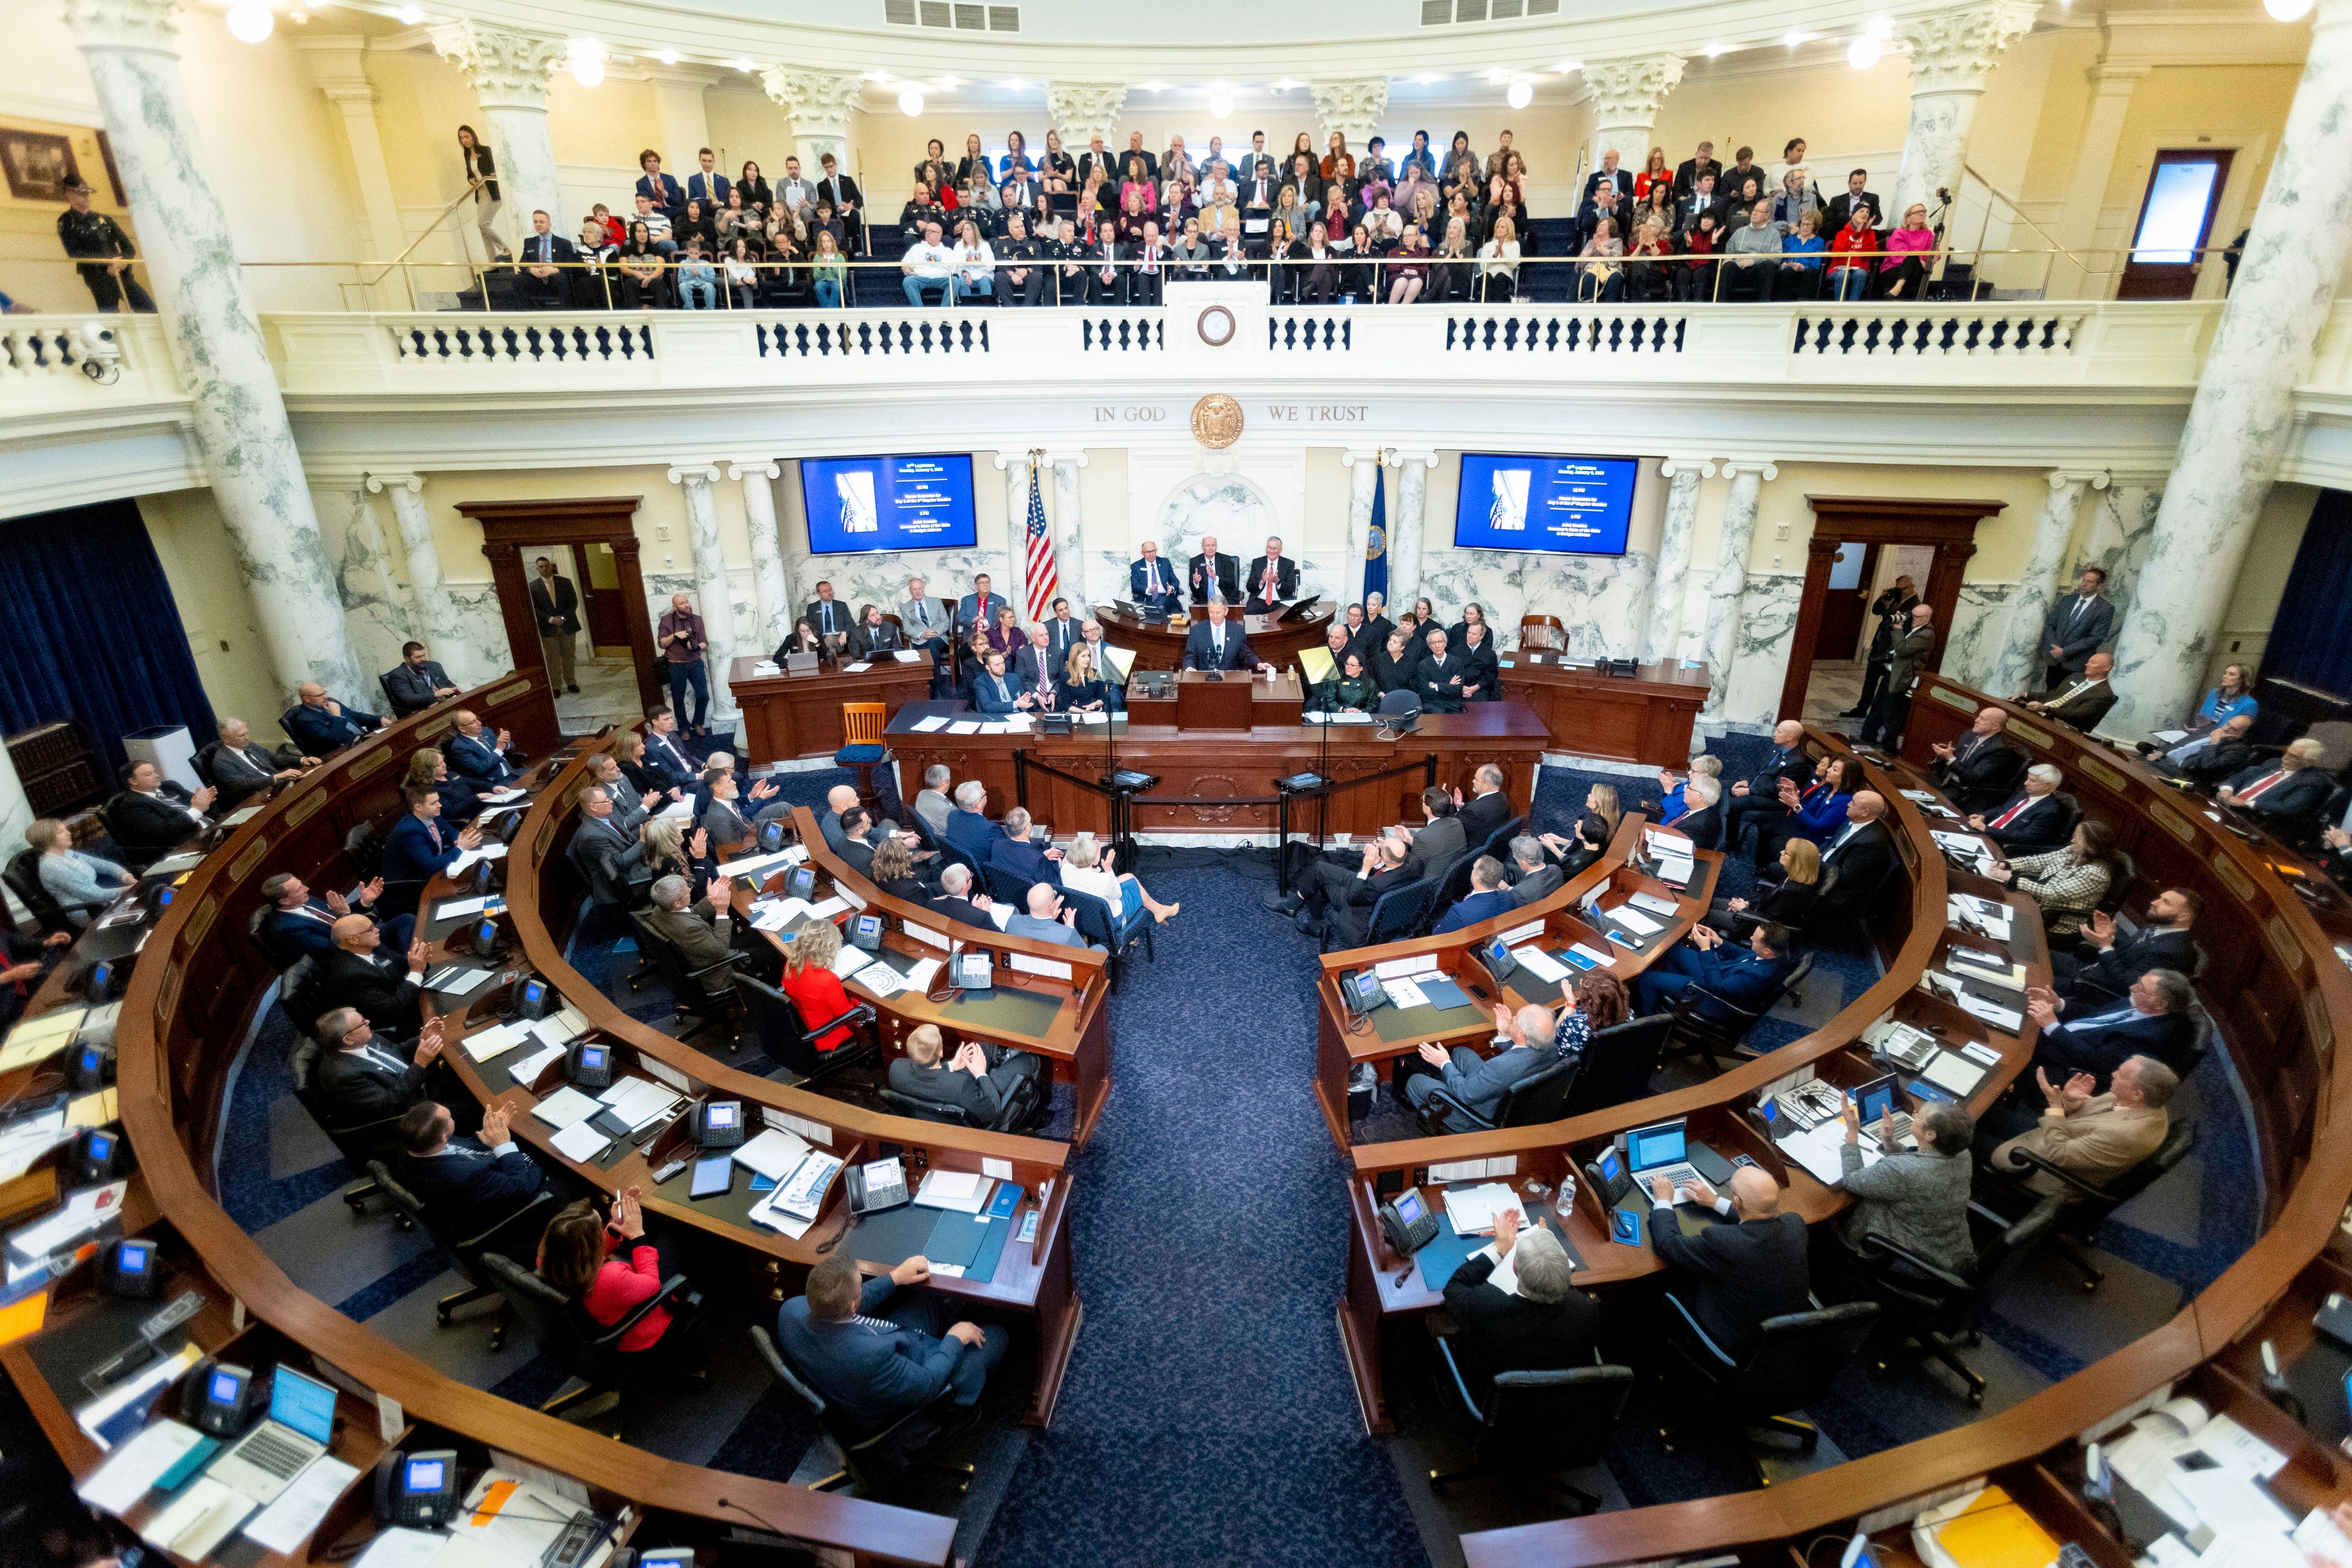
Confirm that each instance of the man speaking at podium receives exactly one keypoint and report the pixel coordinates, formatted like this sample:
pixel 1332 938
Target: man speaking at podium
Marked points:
pixel 1217 643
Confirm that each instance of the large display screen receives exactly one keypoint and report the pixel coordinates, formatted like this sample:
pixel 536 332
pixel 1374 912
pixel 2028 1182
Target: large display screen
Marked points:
pixel 857 504
pixel 1572 506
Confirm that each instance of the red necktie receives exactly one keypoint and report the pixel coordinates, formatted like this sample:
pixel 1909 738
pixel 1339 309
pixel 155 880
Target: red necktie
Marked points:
pixel 2248 797
pixel 2003 819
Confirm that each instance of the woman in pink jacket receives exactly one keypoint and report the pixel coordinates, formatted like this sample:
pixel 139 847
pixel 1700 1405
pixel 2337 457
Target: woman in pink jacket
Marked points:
pixel 1909 254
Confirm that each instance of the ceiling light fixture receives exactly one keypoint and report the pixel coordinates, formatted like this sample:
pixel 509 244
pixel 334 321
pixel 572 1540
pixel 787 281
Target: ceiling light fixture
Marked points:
pixel 667 56
pixel 743 63
pixel 1285 85
pixel 1564 67
pixel 1221 105
pixel 1015 85
pixel 1864 52
pixel 911 100
pixel 1792 37
pixel 1714 49
pixel 949 82
pixel 587 62
pixel 409 16
pixel 250 21
pixel 1155 87
pixel 1522 93
pixel 2288 10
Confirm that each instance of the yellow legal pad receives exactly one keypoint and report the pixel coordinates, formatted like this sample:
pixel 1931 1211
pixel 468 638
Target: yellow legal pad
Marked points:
pixel 1996 1532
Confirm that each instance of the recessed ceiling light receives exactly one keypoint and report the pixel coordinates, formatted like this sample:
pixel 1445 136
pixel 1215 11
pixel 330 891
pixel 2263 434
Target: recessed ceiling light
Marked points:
pixel 249 21
pixel 948 81
pixel 1285 85
pixel 1714 49
pixel 1567 66
pixel 1015 85
pixel 1864 52
pixel 667 56
pixel 1522 93
pixel 743 63
pixel 1154 86
pixel 409 16
pixel 1792 37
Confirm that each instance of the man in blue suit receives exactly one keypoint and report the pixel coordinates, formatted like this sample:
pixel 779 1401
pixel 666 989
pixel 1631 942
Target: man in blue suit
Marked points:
pixel 479 756
pixel 470 1183
pixel 996 692
pixel 978 607
pixel 319 724
pixel 301 924
pixel 416 682
pixel 1761 791
pixel 418 846
pixel 2285 797
pixel 1014 853
pixel 707 185
pixel 1217 644
pixel 2153 1020
pixel 1151 583
pixel 969 828
pixel 1480 1082
pixel 876 1353
pixel 1742 976
pixel 661 189
pixel 1488 898
pixel 667 757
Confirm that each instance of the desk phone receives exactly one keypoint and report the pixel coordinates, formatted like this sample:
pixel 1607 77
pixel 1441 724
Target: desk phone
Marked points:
pixel 1363 991
pixel 1408 1222
pixel 972 972
pixel 876 1185
pixel 718 1123
pixel 418 1490
pixel 590 1065
pixel 866 932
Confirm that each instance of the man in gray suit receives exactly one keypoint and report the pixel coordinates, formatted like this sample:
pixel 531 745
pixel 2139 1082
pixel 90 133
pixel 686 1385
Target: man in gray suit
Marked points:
pixel 1480 1082
pixel 697 929
pixel 1048 920
pixel 1533 875
pixel 604 854
pixel 2077 624
pixel 629 811
pixel 925 620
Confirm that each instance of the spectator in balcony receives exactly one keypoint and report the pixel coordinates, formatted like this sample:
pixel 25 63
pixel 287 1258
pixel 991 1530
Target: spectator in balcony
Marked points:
pixel 741 273
pixel 1337 164
pixel 974 161
pixel 829 270
pixel 926 267
pixel 780 272
pixel 1702 200
pixel 1016 157
pixel 1408 267
pixel 1358 274
pixel 663 190
pixel 1799 275
pixel 1647 281
pixel 824 219
pixel 736 220
pixel 1600 276
pixel 936 170
pixel 1792 157
pixel 1608 175
pixel 1373 173
pixel 1288 215
pixel 616 233
pixel 1383 224
pixel 841 192
pixel 1839 211
pixel 698 279
pixel 757 197
pixel 1658 206
pixel 975 264
pixel 589 287
pixel 794 195
pixel 637 277
pixel 1149 273
pixel 1418 158
pixel 1498 162
pixel 1653 175
pixel 1134 212
pixel 1696 278
pixel 978 201
pixel 1136 179
pixel 1461 167
pixel 1732 210
pixel 1020 278
pixel 482 179
pixel 1605 204
pixel 1408 190
pixel 542 282
pixel 1795 199
pixel 1854 253
pixel 922 207
pixel 1065 271
pixel 657 226
pixel 1454 265
pixel 1106 279
pixel 1743 168
pixel 1910 251
pixel 1188 258
pixel 1057 172
pixel 1750 252
pixel 1022 194
pixel 1700 165
pixel 1313 270
pixel 102 252
pixel 1506 193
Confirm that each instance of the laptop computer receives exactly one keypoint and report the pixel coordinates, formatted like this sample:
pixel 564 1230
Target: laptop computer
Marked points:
pixel 265 1460
pixel 1883 1097
pixel 1660 1150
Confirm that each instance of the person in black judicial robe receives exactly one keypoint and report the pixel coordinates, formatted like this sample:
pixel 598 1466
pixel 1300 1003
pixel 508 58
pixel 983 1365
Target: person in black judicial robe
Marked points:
pixel 1394 662
pixel 1276 572
pixel 1444 677
pixel 1226 571
pixel 1547 1325
pixel 1477 646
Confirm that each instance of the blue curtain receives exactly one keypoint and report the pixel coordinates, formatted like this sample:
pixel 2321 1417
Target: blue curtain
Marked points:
pixel 91 630
pixel 2311 639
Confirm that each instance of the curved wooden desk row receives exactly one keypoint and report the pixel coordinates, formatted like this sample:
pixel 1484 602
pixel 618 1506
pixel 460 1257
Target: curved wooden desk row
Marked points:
pixel 186 1009
pixel 1159 644
pixel 2281 1001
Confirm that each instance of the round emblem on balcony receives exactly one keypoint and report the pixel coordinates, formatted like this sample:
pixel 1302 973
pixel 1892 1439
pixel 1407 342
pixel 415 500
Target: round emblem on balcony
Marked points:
pixel 1216 419
pixel 1215 326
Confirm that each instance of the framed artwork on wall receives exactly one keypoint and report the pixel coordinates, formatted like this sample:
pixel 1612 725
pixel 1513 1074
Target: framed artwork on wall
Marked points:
pixel 38 164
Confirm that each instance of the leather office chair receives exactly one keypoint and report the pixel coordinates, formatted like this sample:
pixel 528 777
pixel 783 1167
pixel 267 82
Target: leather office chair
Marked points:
pixel 790 1044
pixel 1023 1108
pixel 1719 1038
pixel 1535 1426
pixel 359 1142
pixel 872 1464
pixel 363 851
pixel 1934 1312
pixel 687 997
pixel 1796 1357
pixel 462 1248
pixel 1007 886
pixel 1536 1098
pixel 2085 1206
pixel 1394 917
pixel 1396 704
pixel 23 877
pixel 2126 872
pixel 1499 841
pixel 1452 886
pixel 1098 926
pixel 1618 1064
pixel 586 1350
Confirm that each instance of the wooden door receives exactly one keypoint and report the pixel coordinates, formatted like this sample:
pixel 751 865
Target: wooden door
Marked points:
pixel 2176 221
pixel 600 594
pixel 1846 602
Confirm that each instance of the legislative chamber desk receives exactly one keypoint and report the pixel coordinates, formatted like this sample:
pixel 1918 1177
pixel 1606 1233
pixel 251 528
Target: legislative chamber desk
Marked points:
pixel 191 997
pixel 1642 717
pixel 787 717
pixel 1216 748
pixel 1159 645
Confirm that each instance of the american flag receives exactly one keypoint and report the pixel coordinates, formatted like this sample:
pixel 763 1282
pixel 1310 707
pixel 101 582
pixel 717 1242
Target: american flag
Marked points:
pixel 1043 584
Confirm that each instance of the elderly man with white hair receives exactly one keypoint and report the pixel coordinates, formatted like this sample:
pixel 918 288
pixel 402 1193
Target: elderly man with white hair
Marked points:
pixel 1479 1082
pixel 1542 1323
pixel 2034 820
pixel 2285 797
pixel 696 930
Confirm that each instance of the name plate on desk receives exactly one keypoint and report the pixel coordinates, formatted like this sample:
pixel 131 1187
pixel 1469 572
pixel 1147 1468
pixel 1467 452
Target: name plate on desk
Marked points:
pixel 1044 966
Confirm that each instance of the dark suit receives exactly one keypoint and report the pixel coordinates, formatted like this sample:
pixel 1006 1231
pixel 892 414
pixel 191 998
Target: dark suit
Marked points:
pixel 1732 971
pixel 2090 976
pixel 1020 857
pixel 1165 598
pixel 1984 769
pixel 290 935
pixel 1481 814
pixel 1623 179
pixel 1840 212
pixel 1203 651
pixel 605 856
pixel 318 731
pixel 983 1099
pixel 2213 760
pixel 1350 900
pixel 2078 703
pixel 543 250
pixel 670 763
pixel 963 911
pixel 477 759
pixel 2077 627
pixel 709 189
pixel 995 693
pixel 1061 636
pixel 829 617
pixel 238 775
pixel 2104 1038
pixel 561 603
pixel 1474 908
pixel 891 1358
pixel 1740 1274
pixel 1763 790
pixel 412 686
pixel 663 190
pixel 1034 671
pixel 416 849
pixel 1436 844
pixel 1485 683
pixel 1286 584
pixel 1228 572
pixel 1687 172
pixel 866 641
pixel 1537 885
pixel 1705 826
pixel 973 834
pixel 1443 684
pixel 1860 860
pixel 1503 1333
pixel 2039 824
pixel 146 825
pixel 2290 804
pixel 468 1186
pixel 377 1081
pixel 380 987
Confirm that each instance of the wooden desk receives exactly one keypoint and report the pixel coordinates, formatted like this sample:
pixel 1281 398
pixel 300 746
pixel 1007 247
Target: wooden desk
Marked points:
pixel 1158 645
pixel 791 716
pixel 1646 719
pixel 1226 785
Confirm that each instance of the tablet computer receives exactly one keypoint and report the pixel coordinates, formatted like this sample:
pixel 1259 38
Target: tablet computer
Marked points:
pixel 713 1176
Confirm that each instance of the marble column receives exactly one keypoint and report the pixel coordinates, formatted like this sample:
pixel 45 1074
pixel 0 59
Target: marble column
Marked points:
pixel 819 103
pixel 1082 111
pixel 337 63
pixel 2020 646
pixel 1363 483
pixel 2077 224
pixel 714 596
pixel 772 590
pixel 1952 52
pixel 1662 637
pixel 438 624
pixel 1354 109
pixel 132 50
pixel 1625 95
pixel 2243 415
pixel 681 124
pixel 1404 533
pixel 1069 524
pixel 1730 581
pixel 509 71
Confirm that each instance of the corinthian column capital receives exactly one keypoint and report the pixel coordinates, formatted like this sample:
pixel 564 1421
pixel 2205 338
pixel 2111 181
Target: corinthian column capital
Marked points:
pixel 1628 91
pixel 818 101
pixel 1082 111
pixel 1354 109
pixel 153 25
pixel 1953 50
pixel 505 69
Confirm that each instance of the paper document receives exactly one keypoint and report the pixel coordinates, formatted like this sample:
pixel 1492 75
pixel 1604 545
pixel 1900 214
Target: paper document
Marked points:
pixel 559 1030
pixel 748 864
pixel 583 1141
pixel 676 811
pixel 1473 1209
pixel 83 1212
pixel 826 909
pixel 963 727
pixel 775 1153
pixel 850 960
pixel 765 1212
pixel 1634 921
pixel 400 1547
pixel 926 934
pixel 93 1416
pixel 1404 992
pixel 283 1525
pixel 483 1044
pixel 1592 955
pixel 962 1191
pixel 926 726
pixel 565 1106
pixel 1001 913
pixel 1505 1275
pixel 910 656
pixel 801 1193
pixel 860 668
pixel 131 1470
pixel 638 1103
pixel 918 976
pixel 1540 965
pixel 1044 966
pixel 197 1519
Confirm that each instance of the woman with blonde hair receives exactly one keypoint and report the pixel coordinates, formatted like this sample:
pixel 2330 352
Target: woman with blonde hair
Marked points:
pixel 79 882
pixel 817 991
pixel 1785 899
pixel 1601 805
pixel 1091 869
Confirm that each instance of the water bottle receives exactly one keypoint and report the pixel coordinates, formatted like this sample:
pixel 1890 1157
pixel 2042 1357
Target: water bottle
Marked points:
pixel 1564 1203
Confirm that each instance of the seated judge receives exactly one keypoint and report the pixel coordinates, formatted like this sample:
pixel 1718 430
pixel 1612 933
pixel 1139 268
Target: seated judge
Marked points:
pixel 881 1349
pixel 1393 664
pixel 2081 701
pixel 480 755
pixel 2093 1137
pixel 1346 901
pixel 2152 1020
pixel 1479 1082
pixel 416 682
pixel 1979 768
pixel 365 1077
pixel 381 982
pixel 319 724
pixel 81 884
pixel 1733 1277
pixel 2033 820
pixel 1740 974
pixel 1218 642
pixel 1486 679
pixel 872 634
pixel 2211 757
pixel 1152 585
pixel 1488 898
pixel 1443 678
pixel 151 815
pixel 469 1183
pixel 979 1078
pixel 2285 797
pixel 1543 1323
pixel 420 844
pixel 242 770
pixel 828 617
pixel 1272 581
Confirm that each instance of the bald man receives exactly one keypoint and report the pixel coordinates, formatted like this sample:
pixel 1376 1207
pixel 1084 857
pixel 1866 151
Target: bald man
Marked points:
pixel 319 724
pixel 1479 1083
pixel 382 985
pixel 1733 1277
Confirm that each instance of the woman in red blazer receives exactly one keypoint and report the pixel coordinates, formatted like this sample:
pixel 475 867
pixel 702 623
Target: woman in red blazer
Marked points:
pixel 809 980
pixel 575 1257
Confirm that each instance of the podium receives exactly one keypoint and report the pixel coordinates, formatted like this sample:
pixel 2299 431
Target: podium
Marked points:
pixel 1195 704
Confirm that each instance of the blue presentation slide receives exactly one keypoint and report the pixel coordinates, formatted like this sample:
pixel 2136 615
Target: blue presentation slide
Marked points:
pixel 1572 506
pixel 857 504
